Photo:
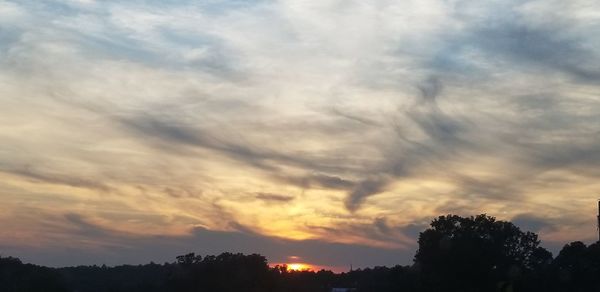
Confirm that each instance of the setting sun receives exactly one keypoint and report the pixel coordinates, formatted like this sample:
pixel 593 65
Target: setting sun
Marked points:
pixel 299 267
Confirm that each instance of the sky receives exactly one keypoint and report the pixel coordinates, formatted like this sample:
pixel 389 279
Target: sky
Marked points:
pixel 329 132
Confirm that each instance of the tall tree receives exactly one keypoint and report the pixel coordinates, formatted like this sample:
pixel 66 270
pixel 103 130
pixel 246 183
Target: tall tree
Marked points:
pixel 477 253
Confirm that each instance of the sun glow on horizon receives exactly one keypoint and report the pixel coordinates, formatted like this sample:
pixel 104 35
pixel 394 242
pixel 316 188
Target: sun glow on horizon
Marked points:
pixel 299 267
pixel 296 266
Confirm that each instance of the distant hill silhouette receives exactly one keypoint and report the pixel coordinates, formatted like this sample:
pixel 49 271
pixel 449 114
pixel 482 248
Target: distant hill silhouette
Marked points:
pixel 456 253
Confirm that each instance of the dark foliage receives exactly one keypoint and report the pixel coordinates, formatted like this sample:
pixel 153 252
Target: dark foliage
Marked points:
pixel 477 254
pixel 150 277
pixel 225 272
pixel 577 268
pixel 455 254
pixel 18 277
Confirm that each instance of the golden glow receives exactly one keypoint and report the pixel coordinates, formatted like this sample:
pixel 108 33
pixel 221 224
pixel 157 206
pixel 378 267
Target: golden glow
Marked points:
pixel 299 267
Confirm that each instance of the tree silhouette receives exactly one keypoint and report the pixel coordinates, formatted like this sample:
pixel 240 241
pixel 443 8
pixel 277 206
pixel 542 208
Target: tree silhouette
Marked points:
pixel 18 277
pixel 476 254
pixel 225 272
pixel 577 267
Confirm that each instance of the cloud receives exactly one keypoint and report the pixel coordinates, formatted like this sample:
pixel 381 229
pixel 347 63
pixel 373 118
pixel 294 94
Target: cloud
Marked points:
pixel 532 223
pixel 431 88
pixel 379 232
pixel 317 181
pixel 181 192
pixel 269 197
pixel 363 190
pixel 29 173
pixel 356 118
pixel 167 134
pixel 86 228
pixel 541 47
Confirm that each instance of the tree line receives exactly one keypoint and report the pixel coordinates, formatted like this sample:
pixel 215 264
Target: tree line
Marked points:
pixel 470 254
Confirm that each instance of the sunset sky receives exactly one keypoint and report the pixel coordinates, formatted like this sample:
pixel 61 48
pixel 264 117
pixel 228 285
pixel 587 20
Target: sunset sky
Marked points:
pixel 329 132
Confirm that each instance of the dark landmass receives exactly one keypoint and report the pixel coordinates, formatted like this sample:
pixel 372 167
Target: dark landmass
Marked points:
pixel 455 254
